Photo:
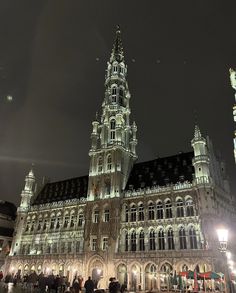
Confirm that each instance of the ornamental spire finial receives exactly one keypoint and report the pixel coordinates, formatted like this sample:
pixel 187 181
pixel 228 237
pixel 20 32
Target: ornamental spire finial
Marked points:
pixel 117 53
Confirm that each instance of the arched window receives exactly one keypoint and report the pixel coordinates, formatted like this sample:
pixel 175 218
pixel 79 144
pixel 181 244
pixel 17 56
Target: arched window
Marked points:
pixel 159 210
pixel 189 208
pixel 170 239
pixel 109 162
pixel 112 129
pixel 133 241
pixel 133 213
pixel 113 95
pixel 52 223
pixel 81 219
pixel 115 68
pixel 126 241
pixel 161 239
pixel 151 211
pixel 180 208
pixel 184 268
pixel 126 214
pixel 121 96
pixel 100 164
pixel 141 241
pixel 192 238
pixel 152 244
pixel 140 212
pixel 168 206
pixel 182 238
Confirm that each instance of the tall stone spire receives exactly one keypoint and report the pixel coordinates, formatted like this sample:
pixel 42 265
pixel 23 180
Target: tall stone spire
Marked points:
pixel 113 138
pixel 117 53
pixel 232 74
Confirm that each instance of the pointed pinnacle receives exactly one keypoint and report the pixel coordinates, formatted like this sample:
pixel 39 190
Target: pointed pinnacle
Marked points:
pixel 117 50
pixel 197 132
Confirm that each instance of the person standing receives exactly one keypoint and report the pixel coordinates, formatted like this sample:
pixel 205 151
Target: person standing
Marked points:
pixel 89 286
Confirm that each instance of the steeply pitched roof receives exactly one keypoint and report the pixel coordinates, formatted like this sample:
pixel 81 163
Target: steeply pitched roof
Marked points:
pixel 162 171
pixel 63 190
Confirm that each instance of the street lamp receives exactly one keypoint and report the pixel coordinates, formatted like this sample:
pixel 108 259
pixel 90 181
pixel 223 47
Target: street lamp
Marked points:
pixel 223 238
pixel 222 234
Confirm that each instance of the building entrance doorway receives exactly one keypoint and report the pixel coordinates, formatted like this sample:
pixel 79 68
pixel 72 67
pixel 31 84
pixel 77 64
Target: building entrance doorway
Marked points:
pixel 97 275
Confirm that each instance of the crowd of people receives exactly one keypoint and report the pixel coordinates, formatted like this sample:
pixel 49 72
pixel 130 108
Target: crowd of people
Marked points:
pixel 57 284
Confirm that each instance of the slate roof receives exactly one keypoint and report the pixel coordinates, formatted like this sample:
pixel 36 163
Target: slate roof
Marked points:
pixel 7 208
pixel 63 190
pixel 158 172
pixel 162 171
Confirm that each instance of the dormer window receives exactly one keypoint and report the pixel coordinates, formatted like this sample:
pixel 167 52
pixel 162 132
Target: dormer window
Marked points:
pixel 115 68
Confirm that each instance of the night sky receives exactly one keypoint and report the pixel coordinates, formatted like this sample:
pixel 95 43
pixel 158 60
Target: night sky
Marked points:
pixel 53 58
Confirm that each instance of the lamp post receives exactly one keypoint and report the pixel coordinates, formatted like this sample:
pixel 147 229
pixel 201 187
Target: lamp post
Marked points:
pixel 222 234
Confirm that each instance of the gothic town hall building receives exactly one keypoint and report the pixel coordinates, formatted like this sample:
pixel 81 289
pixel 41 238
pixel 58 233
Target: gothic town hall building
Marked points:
pixel 138 222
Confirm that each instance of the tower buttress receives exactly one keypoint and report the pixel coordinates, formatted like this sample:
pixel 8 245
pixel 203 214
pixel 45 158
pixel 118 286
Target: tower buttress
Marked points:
pixel 232 74
pixel 113 138
pixel 22 211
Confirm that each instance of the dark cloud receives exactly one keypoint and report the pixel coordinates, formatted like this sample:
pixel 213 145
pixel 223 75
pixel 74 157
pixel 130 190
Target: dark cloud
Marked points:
pixel 52 61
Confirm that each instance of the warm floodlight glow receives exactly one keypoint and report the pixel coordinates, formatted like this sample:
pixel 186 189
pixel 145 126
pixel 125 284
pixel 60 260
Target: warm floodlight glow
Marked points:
pixel 223 238
pixel 222 235
pixel 99 271
pixel 229 255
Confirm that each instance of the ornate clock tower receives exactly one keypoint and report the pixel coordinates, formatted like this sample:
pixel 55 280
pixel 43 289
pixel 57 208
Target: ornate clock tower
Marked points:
pixel 113 146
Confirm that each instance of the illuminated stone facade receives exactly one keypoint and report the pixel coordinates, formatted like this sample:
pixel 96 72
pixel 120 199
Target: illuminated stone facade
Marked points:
pixel 137 221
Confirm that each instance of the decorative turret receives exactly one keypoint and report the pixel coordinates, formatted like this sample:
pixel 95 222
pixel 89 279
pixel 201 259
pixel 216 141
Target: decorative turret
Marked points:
pixel 233 84
pixel 22 211
pixel 28 191
pixel 113 139
pixel 201 157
